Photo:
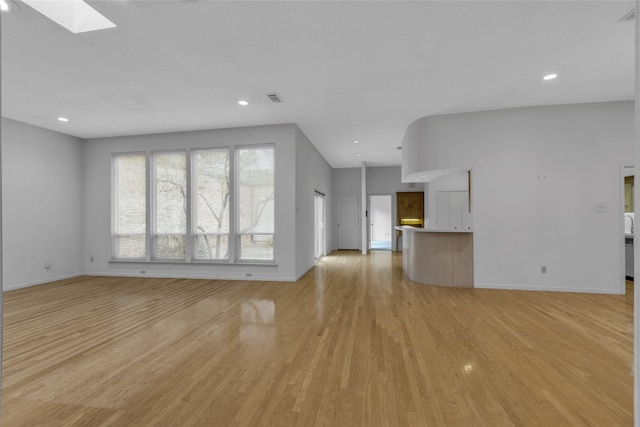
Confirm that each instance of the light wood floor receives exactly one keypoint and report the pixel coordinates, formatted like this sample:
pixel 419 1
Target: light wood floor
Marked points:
pixel 351 344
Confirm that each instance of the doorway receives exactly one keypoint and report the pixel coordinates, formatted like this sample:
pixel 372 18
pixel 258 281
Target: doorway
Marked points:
pixel 628 224
pixel 380 223
pixel 349 222
pixel 319 229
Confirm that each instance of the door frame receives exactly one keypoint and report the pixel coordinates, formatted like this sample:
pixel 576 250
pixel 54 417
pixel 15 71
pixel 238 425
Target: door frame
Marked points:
pixel 323 252
pixel 370 219
pixel 625 170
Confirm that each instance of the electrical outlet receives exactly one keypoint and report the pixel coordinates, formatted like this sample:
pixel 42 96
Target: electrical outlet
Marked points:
pixel 91 259
pixel 143 271
pixel 47 265
pixel 249 274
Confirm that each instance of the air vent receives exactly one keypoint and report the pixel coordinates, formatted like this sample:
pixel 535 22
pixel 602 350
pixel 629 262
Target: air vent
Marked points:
pixel 629 16
pixel 274 97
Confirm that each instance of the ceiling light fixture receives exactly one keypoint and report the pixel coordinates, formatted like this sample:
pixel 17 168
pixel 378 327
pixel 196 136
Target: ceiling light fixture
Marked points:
pixel 356 141
pixel 243 103
pixel 74 15
pixel 63 119
pixel 550 77
pixel 357 154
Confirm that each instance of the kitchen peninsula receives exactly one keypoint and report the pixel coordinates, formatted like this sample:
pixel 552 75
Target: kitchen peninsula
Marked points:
pixel 438 257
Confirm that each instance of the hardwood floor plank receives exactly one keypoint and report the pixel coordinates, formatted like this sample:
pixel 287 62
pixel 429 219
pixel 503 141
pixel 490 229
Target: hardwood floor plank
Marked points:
pixel 354 342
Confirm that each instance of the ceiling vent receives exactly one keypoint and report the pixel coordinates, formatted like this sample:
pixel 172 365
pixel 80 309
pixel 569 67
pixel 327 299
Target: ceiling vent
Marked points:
pixel 629 16
pixel 275 98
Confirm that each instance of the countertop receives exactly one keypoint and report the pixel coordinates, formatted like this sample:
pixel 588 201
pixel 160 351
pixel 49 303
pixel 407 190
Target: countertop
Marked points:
pixel 430 230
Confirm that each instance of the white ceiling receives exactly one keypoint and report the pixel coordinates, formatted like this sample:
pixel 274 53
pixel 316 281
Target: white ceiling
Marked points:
pixel 345 70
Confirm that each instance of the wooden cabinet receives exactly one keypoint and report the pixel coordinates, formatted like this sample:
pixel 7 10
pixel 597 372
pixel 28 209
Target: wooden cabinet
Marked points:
pixel 410 205
pixel 628 193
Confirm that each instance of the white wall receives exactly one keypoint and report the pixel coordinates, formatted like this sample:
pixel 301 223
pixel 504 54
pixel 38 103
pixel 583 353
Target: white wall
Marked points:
pixel 313 173
pixel 537 175
pixel 41 205
pixel 97 202
pixel 345 181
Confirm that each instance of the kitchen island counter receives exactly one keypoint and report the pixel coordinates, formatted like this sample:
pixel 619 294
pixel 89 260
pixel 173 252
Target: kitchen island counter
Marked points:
pixel 438 257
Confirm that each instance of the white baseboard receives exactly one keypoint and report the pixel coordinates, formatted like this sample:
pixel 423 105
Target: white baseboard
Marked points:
pixel 40 282
pixel 154 275
pixel 299 276
pixel 547 288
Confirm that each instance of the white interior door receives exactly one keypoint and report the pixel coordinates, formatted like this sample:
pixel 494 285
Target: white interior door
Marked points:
pixel 349 222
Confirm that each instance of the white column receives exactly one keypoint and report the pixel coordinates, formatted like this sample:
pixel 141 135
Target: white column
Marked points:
pixel 636 198
pixel 364 221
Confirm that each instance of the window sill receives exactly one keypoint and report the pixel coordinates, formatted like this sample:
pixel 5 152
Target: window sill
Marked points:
pixel 181 262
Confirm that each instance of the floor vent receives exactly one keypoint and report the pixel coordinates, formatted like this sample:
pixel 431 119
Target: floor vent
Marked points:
pixel 629 16
pixel 275 98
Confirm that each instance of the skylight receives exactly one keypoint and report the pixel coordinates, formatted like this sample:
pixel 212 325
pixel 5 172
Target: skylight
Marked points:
pixel 74 15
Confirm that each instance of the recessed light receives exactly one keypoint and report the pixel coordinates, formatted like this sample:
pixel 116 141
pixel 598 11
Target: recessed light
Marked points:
pixel 356 141
pixel 550 77
pixel 63 119
pixel 243 103
pixel 357 154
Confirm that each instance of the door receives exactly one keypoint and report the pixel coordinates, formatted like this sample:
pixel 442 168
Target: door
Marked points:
pixel 319 246
pixel 349 222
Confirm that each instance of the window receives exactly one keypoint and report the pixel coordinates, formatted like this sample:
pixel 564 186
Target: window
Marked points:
pixel 205 205
pixel 212 188
pixel 170 205
pixel 129 203
pixel 256 207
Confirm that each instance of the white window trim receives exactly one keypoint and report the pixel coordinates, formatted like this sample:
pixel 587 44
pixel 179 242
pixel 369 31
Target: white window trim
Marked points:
pixel 233 236
pixel 152 236
pixel 237 234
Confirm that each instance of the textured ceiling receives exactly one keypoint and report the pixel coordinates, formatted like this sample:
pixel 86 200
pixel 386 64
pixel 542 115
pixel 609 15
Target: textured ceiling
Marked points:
pixel 345 70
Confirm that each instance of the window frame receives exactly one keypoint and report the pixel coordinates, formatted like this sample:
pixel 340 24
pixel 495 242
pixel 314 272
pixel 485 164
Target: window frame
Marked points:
pixel 152 237
pixel 194 203
pixel 233 237
pixel 115 207
pixel 237 234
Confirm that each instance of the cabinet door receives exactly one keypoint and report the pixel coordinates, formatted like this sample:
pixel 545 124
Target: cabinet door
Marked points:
pixel 456 209
pixel 452 210
pixel 417 205
pixel 402 206
pixel 442 209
